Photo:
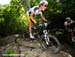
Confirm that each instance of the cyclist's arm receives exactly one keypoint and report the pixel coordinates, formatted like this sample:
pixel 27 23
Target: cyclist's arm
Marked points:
pixel 65 25
pixel 43 18
pixel 32 18
pixel 67 29
pixel 73 21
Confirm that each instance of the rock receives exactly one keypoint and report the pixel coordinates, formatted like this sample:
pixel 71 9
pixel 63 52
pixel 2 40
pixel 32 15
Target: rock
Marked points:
pixel 32 49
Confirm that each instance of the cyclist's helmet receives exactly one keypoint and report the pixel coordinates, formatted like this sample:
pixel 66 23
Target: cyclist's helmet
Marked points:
pixel 68 18
pixel 44 3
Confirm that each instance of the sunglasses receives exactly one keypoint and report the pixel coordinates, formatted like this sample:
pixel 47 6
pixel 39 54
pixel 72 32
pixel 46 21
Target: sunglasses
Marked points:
pixel 46 5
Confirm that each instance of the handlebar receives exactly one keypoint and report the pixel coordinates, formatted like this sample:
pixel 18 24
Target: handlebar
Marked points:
pixel 42 25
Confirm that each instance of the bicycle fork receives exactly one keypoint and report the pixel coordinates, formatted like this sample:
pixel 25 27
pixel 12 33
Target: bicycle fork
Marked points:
pixel 45 32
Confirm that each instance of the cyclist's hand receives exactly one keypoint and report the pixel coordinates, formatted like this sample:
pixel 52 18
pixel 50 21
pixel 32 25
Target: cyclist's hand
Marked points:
pixel 35 22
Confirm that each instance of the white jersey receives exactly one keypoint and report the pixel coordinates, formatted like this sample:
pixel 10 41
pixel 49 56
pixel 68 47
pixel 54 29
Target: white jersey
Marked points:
pixel 35 9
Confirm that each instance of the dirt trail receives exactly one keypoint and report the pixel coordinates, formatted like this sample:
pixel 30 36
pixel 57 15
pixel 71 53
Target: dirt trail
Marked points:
pixel 33 49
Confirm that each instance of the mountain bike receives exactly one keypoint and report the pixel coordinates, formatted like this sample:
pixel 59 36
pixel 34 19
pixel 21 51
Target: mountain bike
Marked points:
pixel 47 41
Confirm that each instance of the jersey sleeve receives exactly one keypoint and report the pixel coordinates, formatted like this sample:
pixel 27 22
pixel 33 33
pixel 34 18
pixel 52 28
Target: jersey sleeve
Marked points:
pixel 40 12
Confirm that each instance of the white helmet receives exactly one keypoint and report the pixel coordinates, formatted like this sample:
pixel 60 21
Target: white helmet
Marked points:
pixel 44 2
pixel 68 18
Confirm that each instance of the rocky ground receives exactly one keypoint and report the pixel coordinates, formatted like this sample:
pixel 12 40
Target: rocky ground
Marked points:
pixel 32 49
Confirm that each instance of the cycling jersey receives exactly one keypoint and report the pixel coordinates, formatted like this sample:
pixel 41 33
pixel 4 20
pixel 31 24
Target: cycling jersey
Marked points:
pixel 35 9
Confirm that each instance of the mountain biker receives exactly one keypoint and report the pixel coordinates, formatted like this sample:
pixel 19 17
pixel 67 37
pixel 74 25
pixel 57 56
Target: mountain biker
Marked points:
pixel 34 11
pixel 69 25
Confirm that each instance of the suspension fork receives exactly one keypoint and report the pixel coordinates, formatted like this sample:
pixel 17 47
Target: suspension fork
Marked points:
pixel 45 32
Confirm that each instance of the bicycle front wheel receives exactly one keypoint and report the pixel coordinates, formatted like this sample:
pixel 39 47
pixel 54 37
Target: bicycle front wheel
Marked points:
pixel 54 44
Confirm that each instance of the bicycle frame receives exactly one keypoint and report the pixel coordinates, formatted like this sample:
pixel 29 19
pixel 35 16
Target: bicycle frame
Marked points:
pixel 42 30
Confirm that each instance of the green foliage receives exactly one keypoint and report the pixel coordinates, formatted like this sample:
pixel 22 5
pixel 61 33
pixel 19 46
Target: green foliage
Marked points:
pixel 12 18
pixel 54 7
pixel 69 7
pixel 9 52
pixel 34 2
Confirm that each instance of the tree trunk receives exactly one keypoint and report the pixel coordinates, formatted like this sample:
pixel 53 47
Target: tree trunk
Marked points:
pixel 26 4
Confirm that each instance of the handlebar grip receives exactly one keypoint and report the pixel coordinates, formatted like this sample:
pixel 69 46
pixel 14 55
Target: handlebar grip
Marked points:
pixel 45 24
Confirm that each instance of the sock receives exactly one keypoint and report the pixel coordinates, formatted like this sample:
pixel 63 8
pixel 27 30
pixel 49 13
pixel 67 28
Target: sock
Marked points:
pixel 30 34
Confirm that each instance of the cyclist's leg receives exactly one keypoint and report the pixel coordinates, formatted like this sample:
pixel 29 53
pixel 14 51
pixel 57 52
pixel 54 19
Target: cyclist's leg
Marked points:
pixel 73 37
pixel 30 28
pixel 72 30
pixel 69 36
pixel 72 33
